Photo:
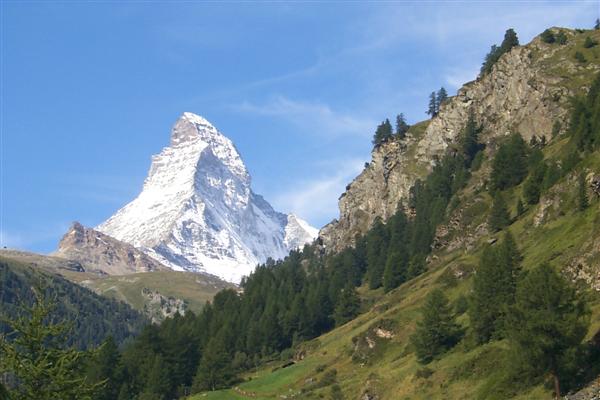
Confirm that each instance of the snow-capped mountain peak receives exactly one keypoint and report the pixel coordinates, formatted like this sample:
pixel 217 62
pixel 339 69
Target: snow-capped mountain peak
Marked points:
pixel 197 210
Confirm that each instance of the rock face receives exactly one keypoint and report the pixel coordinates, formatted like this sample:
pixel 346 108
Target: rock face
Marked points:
pixel 197 211
pixel 99 252
pixel 525 92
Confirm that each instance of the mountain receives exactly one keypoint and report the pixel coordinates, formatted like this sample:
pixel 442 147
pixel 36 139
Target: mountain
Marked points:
pixel 197 211
pixel 100 252
pixel 528 90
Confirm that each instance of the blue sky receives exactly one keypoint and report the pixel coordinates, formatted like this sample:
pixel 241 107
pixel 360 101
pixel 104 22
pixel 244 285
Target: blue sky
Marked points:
pixel 90 91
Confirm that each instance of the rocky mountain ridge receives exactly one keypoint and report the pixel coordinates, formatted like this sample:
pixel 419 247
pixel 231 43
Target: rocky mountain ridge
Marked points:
pixel 99 252
pixel 527 91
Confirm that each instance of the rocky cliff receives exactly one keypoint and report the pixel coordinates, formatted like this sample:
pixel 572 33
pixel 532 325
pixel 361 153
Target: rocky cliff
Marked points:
pixel 527 91
pixel 99 252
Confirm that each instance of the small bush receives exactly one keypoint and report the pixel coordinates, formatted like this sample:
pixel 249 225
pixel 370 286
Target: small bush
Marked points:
pixel 548 37
pixel 561 38
pixel 580 57
pixel 424 373
pixel 589 43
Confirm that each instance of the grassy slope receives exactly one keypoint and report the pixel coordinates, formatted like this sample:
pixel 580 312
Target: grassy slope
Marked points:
pixel 463 372
pixel 195 289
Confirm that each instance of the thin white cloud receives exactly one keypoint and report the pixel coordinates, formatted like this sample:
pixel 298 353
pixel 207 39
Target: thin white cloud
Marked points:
pixel 316 200
pixel 316 118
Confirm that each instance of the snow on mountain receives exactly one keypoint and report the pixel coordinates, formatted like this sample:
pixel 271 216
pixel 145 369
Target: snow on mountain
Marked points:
pixel 197 211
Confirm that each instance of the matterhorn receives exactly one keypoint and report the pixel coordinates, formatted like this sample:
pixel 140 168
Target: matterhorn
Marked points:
pixel 197 211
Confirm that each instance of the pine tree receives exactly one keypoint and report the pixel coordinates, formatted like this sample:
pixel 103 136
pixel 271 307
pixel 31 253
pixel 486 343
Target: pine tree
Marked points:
pixel 377 242
pixel 498 218
pixel 510 164
pixel 158 382
pixel 441 97
pixel 546 324
pixel 470 140
pixel 432 110
pixel 34 353
pixel 582 197
pixel 105 367
pixel 401 126
pixel 437 331
pixel 533 185
pixel 494 288
pixel 383 132
pixel 395 269
pixel 510 40
pixel 597 24
pixel 347 307
pixel 214 371
pixel 520 208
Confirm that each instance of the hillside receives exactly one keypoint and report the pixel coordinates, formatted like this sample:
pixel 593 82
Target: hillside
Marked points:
pixel 528 91
pixel 94 317
pixel 157 294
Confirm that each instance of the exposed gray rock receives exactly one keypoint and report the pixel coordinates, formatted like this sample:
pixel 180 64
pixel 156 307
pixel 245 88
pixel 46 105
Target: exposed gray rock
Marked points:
pixel 99 252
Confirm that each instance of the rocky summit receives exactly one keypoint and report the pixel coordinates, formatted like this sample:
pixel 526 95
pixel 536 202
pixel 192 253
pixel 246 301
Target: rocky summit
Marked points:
pixel 197 211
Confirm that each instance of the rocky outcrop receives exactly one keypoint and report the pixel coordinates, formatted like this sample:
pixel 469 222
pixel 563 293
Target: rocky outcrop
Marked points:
pixel 159 307
pixel 99 252
pixel 525 92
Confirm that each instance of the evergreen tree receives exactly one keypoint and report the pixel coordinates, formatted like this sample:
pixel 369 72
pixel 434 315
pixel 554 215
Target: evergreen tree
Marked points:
pixel 383 132
pixel 106 368
pixel 436 331
pixel 214 371
pixel 401 126
pixel 376 253
pixel 441 97
pixel 470 140
pixel 510 40
pixel 582 197
pixel 520 208
pixel 499 217
pixel 510 164
pixel 158 383
pixel 34 353
pixel 494 288
pixel 597 24
pixel 546 324
pixel 533 184
pixel 347 307
pixel 548 36
pixel 432 110
pixel 395 269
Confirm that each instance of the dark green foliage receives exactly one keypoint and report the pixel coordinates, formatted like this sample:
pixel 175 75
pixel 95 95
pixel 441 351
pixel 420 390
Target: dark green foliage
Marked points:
pixel 35 354
pixel 436 332
pixel 383 132
pixel 510 41
pixel 561 38
pixel 589 43
pixel 347 307
pixel 336 393
pixel 401 126
pixel 214 371
pixel 395 269
pixel 548 36
pixel 498 218
pixel 533 184
pixel 377 242
pixel 105 367
pixel 520 208
pixel 546 324
pixel 469 141
pixel 432 109
pixel 584 126
pixel 580 57
pixel 94 317
pixel 582 197
pixel 441 97
pixel 509 166
pixel 597 24
pixel 494 287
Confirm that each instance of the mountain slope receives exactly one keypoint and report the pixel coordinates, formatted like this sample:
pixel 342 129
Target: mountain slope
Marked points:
pixel 197 211
pixel 528 90
pixel 100 252
pixel 371 357
pixel 94 317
